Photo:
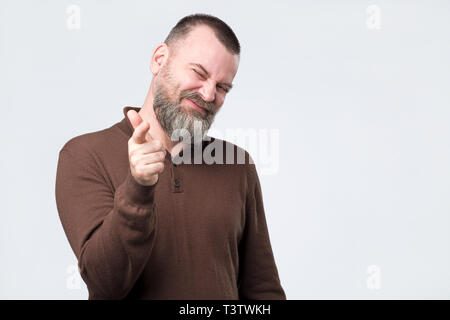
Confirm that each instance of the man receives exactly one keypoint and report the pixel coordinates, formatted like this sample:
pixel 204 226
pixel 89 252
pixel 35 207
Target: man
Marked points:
pixel 146 226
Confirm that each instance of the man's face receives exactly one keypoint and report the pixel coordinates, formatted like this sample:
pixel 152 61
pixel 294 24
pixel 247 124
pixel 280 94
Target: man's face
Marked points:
pixel 192 86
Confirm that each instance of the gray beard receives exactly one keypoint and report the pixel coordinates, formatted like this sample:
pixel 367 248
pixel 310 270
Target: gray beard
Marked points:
pixel 176 122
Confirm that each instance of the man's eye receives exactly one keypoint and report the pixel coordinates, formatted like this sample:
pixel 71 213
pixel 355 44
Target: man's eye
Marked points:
pixel 199 74
pixel 223 89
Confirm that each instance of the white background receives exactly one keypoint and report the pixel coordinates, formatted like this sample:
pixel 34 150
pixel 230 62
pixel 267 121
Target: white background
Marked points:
pixel 363 117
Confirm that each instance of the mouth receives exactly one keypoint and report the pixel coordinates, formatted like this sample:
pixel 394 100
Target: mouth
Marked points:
pixel 195 106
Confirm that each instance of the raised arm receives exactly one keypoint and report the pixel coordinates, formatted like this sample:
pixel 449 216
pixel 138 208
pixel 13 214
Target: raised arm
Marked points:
pixel 111 233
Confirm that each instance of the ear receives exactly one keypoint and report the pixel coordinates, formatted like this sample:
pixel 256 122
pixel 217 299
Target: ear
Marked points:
pixel 159 58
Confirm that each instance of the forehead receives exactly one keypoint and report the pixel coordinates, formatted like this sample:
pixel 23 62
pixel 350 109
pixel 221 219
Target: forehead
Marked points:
pixel 201 46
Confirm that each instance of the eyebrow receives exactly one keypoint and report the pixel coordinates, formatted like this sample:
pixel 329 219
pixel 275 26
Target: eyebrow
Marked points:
pixel 198 65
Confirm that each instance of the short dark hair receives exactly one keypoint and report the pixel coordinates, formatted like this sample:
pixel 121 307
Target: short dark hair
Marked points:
pixel 222 31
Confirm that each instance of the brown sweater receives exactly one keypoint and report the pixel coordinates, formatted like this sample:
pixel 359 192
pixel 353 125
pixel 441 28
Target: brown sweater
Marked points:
pixel 199 233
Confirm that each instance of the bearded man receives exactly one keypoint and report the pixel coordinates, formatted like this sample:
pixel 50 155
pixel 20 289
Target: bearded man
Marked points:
pixel 144 226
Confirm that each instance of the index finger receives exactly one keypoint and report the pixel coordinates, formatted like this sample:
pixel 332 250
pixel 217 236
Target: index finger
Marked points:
pixel 140 133
pixel 135 120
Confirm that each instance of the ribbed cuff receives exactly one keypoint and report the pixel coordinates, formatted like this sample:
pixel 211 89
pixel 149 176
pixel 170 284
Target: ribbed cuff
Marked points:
pixel 137 193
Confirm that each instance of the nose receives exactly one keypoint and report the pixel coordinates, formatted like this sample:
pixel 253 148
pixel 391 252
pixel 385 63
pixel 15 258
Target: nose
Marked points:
pixel 208 91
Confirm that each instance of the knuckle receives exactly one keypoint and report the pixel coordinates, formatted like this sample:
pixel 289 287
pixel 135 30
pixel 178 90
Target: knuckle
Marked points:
pixel 158 144
pixel 134 159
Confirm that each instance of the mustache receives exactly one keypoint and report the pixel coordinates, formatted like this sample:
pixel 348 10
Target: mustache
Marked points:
pixel 195 97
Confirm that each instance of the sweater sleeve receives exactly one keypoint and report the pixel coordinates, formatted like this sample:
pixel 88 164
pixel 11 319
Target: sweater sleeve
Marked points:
pixel 111 233
pixel 258 275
